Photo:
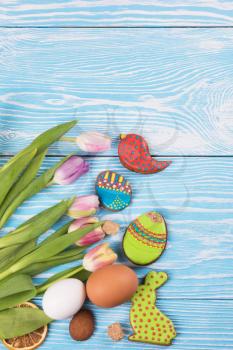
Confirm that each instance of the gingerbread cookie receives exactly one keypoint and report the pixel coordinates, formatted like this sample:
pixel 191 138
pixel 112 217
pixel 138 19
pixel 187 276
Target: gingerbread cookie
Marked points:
pixel 145 238
pixel 149 324
pixel 134 154
pixel 114 190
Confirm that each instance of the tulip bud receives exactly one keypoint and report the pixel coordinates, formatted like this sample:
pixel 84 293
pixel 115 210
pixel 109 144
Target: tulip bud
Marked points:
pixel 90 238
pixel 93 142
pixel 98 257
pixel 84 206
pixel 70 170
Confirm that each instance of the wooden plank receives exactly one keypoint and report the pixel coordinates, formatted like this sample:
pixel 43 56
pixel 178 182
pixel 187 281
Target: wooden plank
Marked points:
pixel 172 85
pixel 195 197
pixel 200 324
pixel 123 13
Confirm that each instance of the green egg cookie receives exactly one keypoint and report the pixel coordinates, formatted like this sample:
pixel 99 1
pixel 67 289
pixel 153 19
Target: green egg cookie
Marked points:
pixel 145 239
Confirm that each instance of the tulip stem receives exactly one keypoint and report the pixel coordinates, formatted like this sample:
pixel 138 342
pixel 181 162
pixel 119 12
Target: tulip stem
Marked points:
pixel 62 275
pixel 68 139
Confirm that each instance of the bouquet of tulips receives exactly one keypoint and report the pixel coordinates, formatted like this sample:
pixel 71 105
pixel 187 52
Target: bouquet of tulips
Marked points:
pixel 21 256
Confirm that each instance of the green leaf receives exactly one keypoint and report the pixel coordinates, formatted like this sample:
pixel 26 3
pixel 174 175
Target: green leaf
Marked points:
pixel 27 176
pixel 34 187
pixel 35 269
pixel 49 249
pixel 15 290
pixel 68 253
pixel 77 272
pixel 10 254
pixel 61 231
pixel 19 321
pixel 11 171
pixel 5 252
pixel 36 225
pixel 19 252
pixel 48 137
pixel 45 139
pixel 14 167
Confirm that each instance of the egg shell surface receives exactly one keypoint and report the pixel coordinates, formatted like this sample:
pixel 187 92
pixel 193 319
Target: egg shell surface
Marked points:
pixel 111 285
pixel 64 298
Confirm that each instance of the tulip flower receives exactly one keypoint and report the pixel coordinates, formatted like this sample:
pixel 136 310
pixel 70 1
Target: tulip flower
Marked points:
pixel 91 141
pixel 90 238
pixel 98 257
pixel 84 206
pixel 70 170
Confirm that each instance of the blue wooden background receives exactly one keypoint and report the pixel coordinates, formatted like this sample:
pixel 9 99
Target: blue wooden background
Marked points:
pixel 163 69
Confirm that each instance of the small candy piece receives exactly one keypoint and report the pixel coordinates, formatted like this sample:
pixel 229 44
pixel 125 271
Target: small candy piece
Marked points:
pixel 82 325
pixel 110 227
pixel 145 238
pixel 134 155
pixel 115 331
pixel 149 324
pixel 114 190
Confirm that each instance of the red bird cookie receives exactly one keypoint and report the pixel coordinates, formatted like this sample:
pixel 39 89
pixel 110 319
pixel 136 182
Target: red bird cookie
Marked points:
pixel 134 155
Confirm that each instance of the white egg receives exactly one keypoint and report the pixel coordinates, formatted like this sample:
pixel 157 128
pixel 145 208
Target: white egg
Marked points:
pixel 64 298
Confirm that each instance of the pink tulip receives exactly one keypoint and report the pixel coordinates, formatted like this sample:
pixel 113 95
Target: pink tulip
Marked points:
pixel 70 170
pixel 90 238
pixel 93 142
pixel 84 206
pixel 98 257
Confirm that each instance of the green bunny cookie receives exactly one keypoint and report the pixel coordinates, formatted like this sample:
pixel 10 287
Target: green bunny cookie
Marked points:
pixel 149 324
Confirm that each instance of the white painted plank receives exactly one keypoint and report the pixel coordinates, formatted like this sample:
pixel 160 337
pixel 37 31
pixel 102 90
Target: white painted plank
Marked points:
pixel 195 197
pixel 121 13
pixel 173 86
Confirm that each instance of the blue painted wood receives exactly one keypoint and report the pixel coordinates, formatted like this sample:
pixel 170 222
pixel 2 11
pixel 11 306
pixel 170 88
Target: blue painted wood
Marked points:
pixel 195 197
pixel 121 13
pixel 200 324
pixel 174 86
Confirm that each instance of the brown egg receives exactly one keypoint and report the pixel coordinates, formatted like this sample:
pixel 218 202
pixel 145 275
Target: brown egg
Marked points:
pixel 111 285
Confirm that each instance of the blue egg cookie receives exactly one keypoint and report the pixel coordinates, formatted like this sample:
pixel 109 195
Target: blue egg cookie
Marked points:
pixel 114 190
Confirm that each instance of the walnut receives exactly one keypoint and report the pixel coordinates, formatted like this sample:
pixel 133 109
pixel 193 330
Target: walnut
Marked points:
pixel 115 331
pixel 110 227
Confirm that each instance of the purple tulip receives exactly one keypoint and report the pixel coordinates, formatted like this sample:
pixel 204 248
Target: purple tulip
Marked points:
pixel 84 206
pixel 70 170
pixel 90 238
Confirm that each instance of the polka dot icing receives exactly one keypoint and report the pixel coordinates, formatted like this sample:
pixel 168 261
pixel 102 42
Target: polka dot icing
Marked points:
pixel 155 327
pixel 114 190
pixel 134 154
pixel 145 238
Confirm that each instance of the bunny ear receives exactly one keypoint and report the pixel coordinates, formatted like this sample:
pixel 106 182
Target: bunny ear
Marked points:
pixel 156 279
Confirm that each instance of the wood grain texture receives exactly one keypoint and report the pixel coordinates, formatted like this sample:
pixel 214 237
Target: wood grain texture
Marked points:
pixel 174 86
pixel 200 324
pixel 195 197
pixel 121 13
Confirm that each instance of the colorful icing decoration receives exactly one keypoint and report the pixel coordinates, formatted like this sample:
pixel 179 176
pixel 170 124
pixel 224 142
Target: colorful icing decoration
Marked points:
pixel 114 190
pixel 145 238
pixel 149 324
pixel 134 155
